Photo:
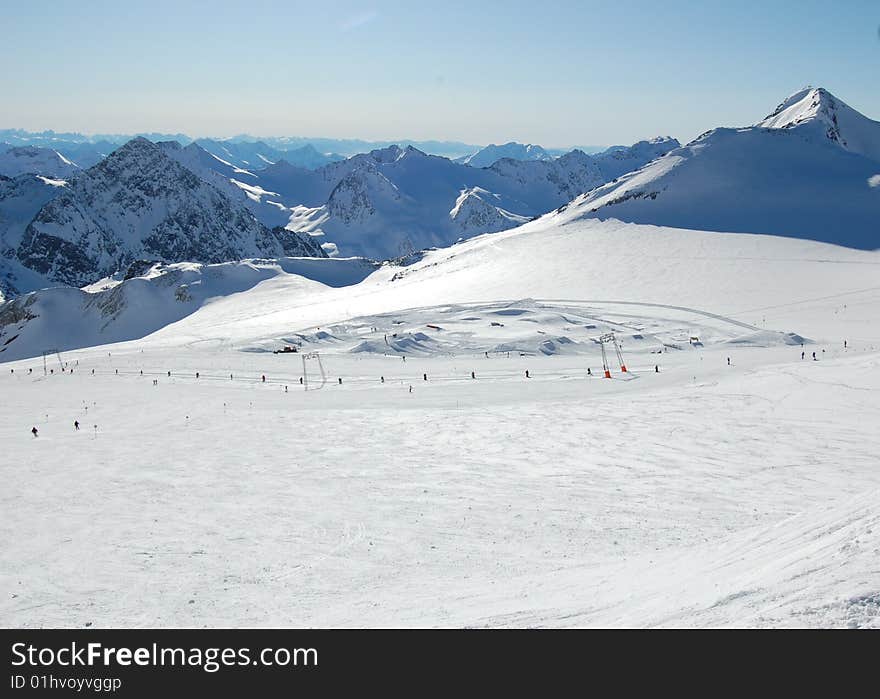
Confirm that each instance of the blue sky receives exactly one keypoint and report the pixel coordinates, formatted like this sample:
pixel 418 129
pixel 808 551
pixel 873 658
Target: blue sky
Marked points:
pixel 554 73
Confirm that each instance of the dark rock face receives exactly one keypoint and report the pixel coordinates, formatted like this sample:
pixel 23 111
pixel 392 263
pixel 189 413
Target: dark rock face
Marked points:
pixel 296 244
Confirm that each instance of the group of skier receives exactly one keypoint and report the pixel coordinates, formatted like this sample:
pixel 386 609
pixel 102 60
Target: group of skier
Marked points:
pixel 36 433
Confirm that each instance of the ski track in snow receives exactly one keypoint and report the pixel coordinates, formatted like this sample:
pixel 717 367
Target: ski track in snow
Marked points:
pixel 496 501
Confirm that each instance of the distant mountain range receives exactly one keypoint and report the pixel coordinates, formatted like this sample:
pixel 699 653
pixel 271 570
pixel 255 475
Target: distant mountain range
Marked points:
pixel 71 143
pixel 392 201
pixel 172 203
pixel 811 169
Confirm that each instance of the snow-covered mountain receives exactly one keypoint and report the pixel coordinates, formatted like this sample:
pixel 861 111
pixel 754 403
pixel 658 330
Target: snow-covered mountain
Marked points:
pixel 21 198
pixel 395 200
pixel 815 113
pixel 309 157
pixel 149 297
pixel 619 160
pixel 248 155
pixel 138 203
pixel 492 153
pixel 809 170
pixel 34 160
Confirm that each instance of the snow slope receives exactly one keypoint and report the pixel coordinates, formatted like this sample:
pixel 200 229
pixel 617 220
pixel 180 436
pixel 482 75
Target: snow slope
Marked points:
pixel 117 310
pixel 805 172
pixel 818 291
pixel 706 494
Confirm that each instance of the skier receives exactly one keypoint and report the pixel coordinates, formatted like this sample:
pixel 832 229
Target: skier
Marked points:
pixel 264 378
pixel 300 380
pixel 814 356
pixel 410 388
pixel 34 431
pixel 169 374
pixel 424 377
pixel 382 379
pixel 197 374
pixel 527 373
pixel 340 380
pixel 285 389
pixel 844 344
pixel 728 361
pixel 473 376
pixel 803 354
pixel 656 369
pixel 589 372
pixel 76 425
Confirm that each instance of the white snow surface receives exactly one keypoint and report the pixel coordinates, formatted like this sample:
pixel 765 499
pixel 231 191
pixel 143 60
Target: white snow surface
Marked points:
pixel 705 494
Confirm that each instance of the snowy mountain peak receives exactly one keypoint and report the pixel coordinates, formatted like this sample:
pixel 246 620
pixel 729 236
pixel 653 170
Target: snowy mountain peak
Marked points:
pixel 808 103
pixel 387 155
pixel 805 172
pixel 358 194
pixel 815 111
pixel 513 150
pixel 476 211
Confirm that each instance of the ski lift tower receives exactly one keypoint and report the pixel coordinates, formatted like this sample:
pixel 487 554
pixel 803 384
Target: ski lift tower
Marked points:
pixel 48 353
pixel 313 356
pixel 608 338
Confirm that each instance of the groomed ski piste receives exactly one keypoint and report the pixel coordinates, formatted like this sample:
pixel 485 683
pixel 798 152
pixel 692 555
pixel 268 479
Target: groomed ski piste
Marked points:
pixel 722 480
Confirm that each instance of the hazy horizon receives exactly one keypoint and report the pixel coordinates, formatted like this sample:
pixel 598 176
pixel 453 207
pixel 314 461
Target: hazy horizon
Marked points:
pixel 568 74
